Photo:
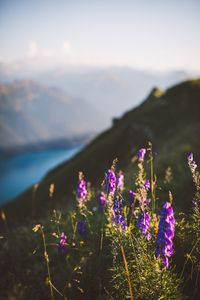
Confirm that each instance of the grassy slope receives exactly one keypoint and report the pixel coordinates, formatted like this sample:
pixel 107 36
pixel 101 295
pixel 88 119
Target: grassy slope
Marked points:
pixel 170 120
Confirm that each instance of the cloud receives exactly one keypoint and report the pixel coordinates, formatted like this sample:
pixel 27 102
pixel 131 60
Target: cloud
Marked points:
pixel 66 47
pixel 32 49
pixel 37 56
pixel 35 51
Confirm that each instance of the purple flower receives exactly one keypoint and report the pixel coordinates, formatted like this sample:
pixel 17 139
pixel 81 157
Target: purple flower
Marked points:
pixel 119 220
pixel 118 217
pixel 81 188
pixel 81 228
pixel 191 162
pixel 62 242
pixel 110 182
pixel 144 223
pixel 146 202
pixel 120 181
pixel 117 207
pixel 102 199
pixel 164 244
pixel 190 157
pixel 141 154
pixel 166 261
pixel 147 184
pixel 193 165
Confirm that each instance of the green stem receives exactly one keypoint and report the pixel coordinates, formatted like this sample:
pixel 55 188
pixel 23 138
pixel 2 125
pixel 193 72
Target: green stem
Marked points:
pixel 102 232
pixel 47 264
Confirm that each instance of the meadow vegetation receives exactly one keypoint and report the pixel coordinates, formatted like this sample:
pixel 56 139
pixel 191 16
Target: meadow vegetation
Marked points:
pixel 123 240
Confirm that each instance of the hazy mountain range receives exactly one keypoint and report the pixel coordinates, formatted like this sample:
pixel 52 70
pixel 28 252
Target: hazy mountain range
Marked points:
pixel 111 90
pixel 32 113
pixel 71 101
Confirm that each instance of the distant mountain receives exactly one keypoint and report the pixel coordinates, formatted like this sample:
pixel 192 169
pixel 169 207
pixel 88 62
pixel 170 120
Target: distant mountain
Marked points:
pixel 169 119
pixel 111 90
pixel 32 113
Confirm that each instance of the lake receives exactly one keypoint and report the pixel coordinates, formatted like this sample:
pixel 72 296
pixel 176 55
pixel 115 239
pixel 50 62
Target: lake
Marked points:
pixel 20 171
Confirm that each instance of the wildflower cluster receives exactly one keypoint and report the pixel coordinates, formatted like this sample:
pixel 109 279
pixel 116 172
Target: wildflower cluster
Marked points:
pixel 81 187
pixel 118 217
pixel 142 183
pixel 147 184
pixel 118 230
pixel 141 154
pixel 102 199
pixel 164 244
pixel 110 182
pixel 82 195
pixel 62 242
pixel 144 223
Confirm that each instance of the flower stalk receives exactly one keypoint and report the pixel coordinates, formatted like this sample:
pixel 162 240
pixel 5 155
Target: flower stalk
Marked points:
pixel 127 272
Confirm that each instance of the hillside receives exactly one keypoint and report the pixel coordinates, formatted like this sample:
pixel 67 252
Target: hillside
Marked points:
pixel 169 119
pixel 32 113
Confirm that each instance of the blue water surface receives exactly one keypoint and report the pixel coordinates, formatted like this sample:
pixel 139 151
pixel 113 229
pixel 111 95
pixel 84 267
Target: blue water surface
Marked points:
pixel 20 171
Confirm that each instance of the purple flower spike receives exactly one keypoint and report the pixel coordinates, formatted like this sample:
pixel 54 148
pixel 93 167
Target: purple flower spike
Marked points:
pixel 110 182
pixel 147 184
pixel 102 199
pixel 164 244
pixel 117 207
pixel 81 188
pixel 62 242
pixel 118 217
pixel 119 220
pixel 144 223
pixel 141 154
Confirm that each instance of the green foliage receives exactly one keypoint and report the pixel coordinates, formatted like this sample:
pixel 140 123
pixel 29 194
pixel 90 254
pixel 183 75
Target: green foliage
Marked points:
pixel 107 260
pixel 150 280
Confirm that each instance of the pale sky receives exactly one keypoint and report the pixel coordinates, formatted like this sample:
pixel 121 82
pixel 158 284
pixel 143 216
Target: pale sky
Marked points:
pixel 151 34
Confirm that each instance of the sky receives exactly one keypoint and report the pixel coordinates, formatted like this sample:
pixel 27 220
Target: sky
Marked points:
pixel 145 34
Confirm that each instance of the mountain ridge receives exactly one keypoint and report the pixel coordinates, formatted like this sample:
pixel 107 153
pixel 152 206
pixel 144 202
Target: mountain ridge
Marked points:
pixel 29 110
pixel 169 119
